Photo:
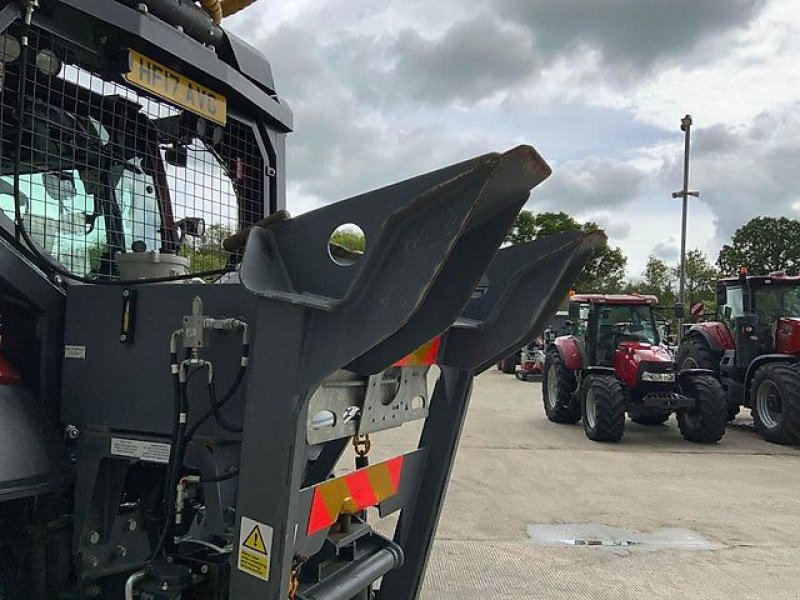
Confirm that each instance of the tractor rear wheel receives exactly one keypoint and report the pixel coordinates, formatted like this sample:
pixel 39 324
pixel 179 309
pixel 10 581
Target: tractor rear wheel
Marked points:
pixel 705 423
pixel 558 390
pixel 648 416
pixel 695 353
pixel 603 403
pixel 775 402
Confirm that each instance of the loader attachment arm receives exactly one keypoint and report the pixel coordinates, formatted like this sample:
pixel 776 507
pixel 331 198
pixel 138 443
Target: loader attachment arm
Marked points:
pixel 428 241
pixel 525 285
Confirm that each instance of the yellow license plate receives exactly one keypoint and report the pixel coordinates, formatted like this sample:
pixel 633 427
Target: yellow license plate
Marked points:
pixel 165 83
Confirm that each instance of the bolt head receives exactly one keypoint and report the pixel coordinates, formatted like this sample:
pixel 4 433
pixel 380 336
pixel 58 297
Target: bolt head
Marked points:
pixel 90 561
pixel 131 525
pixel 122 551
pixel 93 537
pixel 71 432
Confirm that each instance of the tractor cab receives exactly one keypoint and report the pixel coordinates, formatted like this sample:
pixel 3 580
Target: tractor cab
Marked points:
pixel 769 304
pixel 605 322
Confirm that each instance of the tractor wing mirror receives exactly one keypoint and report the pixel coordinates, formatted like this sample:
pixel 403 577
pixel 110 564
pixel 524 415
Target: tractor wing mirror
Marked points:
pixel 680 313
pixel 191 226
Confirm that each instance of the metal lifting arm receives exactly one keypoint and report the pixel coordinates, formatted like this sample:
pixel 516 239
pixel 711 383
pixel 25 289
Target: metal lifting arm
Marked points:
pixel 413 280
pixel 525 285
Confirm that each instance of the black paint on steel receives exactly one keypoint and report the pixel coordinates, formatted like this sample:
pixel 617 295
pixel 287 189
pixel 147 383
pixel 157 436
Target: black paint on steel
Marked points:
pixel 526 283
pixel 351 580
pixel 501 197
pixel 194 21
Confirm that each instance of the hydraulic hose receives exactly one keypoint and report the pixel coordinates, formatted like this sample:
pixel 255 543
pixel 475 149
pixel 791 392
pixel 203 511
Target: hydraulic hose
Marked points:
pixel 216 405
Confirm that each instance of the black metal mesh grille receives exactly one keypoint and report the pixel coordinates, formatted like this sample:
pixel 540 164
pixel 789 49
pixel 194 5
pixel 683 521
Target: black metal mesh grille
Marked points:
pixel 104 166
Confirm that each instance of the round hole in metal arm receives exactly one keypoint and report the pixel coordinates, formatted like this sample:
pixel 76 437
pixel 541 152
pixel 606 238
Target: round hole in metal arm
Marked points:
pixel 346 244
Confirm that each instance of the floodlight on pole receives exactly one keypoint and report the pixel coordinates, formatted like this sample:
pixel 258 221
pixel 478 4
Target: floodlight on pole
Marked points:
pixel 686 127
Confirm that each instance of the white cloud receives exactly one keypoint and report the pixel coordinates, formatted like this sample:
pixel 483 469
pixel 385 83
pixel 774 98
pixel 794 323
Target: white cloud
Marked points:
pixel 388 90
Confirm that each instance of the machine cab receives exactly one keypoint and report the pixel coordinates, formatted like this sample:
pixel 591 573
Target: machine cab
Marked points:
pixel 611 320
pixel 765 308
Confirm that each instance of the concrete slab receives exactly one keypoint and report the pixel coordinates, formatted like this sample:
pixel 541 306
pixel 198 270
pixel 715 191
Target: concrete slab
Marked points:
pixel 515 468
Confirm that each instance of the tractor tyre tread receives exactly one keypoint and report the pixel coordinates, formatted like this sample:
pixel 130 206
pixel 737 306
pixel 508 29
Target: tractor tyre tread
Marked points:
pixel 566 408
pixel 697 349
pixel 704 424
pixel 787 378
pixel 610 404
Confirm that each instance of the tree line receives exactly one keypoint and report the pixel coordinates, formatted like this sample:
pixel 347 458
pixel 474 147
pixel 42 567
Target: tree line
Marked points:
pixel 763 245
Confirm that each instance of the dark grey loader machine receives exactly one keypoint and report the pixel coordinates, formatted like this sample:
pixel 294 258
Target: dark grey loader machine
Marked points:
pixel 146 258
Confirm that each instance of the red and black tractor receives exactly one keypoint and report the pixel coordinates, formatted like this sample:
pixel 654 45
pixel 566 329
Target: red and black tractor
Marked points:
pixel 613 363
pixel 753 347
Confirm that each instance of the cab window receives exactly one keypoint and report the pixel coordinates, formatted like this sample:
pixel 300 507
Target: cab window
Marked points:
pixel 734 305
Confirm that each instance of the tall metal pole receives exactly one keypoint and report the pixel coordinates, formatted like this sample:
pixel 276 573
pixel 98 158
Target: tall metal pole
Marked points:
pixel 686 127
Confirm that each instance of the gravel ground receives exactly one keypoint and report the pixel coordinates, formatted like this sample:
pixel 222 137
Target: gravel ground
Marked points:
pixel 705 522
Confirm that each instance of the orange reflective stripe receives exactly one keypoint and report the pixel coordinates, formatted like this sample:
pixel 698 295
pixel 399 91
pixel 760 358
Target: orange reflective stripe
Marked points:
pixel 353 492
pixel 424 355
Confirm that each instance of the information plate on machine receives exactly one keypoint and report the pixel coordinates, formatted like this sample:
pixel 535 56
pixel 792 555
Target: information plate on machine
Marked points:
pixel 147 74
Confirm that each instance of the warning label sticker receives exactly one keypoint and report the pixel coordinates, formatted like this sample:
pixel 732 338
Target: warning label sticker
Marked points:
pixel 149 451
pixel 255 545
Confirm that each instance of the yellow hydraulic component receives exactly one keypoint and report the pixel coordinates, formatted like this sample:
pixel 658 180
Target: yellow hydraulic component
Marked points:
pixel 214 9
pixel 231 7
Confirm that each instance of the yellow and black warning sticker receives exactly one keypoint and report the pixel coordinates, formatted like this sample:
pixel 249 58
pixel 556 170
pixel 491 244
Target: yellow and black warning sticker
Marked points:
pixel 255 546
pixel 165 83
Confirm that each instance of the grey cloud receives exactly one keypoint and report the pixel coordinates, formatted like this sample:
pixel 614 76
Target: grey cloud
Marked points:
pixel 472 60
pixel 743 171
pixel 668 249
pixel 615 228
pixel 580 186
pixel 628 31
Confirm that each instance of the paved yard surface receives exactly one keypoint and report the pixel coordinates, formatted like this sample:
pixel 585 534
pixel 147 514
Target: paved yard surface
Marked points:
pixel 515 469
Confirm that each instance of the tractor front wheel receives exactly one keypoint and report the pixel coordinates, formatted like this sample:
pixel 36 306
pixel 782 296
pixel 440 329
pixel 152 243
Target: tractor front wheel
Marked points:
pixel 775 402
pixel 603 403
pixel 558 390
pixel 705 423
pixel 695 353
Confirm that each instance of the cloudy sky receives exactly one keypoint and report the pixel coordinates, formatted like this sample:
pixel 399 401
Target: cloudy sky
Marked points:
pixel 385 89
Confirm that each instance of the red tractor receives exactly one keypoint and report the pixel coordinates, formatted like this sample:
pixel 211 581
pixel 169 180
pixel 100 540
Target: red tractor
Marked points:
pixel 753 346
pixel 614 362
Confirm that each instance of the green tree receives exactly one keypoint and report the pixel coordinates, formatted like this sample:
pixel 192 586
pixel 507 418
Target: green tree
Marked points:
pixel 763 245
pixel 604 271
pixel 206 253
pixel 351 240
pixel 701 278
pixel 658 278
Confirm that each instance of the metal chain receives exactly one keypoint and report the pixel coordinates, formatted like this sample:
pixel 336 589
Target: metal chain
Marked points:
pixel 293 584
pixel 362 444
